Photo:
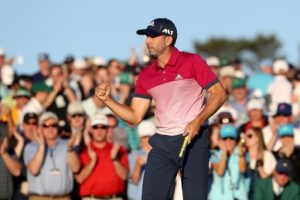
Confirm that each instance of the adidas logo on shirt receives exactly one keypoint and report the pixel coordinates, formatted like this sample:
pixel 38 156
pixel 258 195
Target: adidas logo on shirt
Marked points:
pixel 178 77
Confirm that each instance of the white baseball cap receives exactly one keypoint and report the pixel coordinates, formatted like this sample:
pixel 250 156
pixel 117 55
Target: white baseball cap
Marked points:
pixel 99 119
pixel 280 66
pixel 255 104
pixel 80 64
pixel 146 128
pixel 227 71
pixel 7 74
pixel 213 61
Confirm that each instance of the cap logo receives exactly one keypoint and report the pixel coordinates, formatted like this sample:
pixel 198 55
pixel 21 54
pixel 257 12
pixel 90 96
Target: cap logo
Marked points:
pixel 167 31
pixel 285 164
pixel 151 23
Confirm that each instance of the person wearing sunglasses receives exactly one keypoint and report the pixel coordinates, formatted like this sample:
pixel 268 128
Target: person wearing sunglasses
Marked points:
pixel 104 165
pixel 261 161
pixel 229 165
pixel 50 162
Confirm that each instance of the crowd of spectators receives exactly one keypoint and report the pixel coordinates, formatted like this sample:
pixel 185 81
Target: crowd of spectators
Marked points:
pixel 57 141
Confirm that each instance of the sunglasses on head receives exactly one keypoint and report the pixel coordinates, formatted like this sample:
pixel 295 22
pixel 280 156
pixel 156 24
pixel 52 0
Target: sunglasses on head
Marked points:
pixel 77 115
pixel 50 125
pixel 99 127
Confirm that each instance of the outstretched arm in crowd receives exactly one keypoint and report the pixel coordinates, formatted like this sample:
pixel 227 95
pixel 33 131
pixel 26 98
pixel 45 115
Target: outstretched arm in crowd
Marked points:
pixel 273 139
pixel 133 114
pixel 35 164
pixel 13 165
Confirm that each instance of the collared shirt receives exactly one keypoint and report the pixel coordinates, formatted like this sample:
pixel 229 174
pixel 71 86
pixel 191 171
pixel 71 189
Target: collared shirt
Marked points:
pixel 280 90
pixel 276 188
pixel 177 89
pixel 55 177
pixel 103 180
pixel 134 191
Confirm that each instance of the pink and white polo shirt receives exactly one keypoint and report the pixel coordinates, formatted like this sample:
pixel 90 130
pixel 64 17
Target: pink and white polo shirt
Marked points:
pixel 177 89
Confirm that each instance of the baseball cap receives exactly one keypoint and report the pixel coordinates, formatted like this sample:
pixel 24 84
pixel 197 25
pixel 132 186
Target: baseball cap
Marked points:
pixel 146 128
pixel 43 56
pixel 7 74
pixel 41 87
pixel 99 119
pixel 255 104
pixel 283 109
pixel 159 26
pixel 267 62
pixel 284 166
pixel 75 108
pixel 286 130
pixel 228 131
pixel 29 116
pixel 213 61
pixel 227 71
pixel 47 115
pixel 238 83
pixel 22 93
pixel 80 64
pixel 280 66
pixel 225 117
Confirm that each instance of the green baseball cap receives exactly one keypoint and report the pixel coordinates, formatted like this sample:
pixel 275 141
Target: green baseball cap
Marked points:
pixel 41 87
pixel 238 83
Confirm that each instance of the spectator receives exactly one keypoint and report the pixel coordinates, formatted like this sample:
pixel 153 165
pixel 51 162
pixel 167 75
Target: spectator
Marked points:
pixel 138 160
pixel 9 164
pixel 261 79
pixel 280 89
pixel 262 162
pixel 29 127
pixel 102 159
pixel 115 133
pixel 256 116
pixel 239 99
pixel 289 150
pixel 279 186
pixel 50 162
pixel 41 99
pixel 21 98
pixel 229 165
pixel 226 74
pixel 44 68
pixel 282 116
pixel 62 93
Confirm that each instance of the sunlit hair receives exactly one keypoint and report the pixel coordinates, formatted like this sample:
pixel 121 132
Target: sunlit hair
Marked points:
pixel 261 145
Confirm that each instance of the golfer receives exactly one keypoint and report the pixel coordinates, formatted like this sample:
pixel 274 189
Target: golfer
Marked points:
pixel 177 82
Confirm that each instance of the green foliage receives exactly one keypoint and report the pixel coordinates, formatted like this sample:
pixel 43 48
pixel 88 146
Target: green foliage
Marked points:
pixel 262 45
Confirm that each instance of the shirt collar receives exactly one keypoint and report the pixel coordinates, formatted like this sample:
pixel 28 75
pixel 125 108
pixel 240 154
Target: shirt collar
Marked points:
pixel 276 188
pixel 173 58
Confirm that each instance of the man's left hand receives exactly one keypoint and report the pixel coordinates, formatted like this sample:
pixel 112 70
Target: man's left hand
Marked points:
pixel 192 129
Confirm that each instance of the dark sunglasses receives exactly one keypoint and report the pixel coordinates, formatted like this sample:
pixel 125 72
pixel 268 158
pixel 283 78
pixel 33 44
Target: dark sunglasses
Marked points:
pixel 50 125
pixel 99 127
pixel 230 138
pixel 31 123
pixel 77 115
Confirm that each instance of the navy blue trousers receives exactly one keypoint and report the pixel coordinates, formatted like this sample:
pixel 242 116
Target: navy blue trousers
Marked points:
pixel 162 167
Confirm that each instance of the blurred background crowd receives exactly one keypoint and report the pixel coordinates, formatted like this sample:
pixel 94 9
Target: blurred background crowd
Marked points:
pixel 60 142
